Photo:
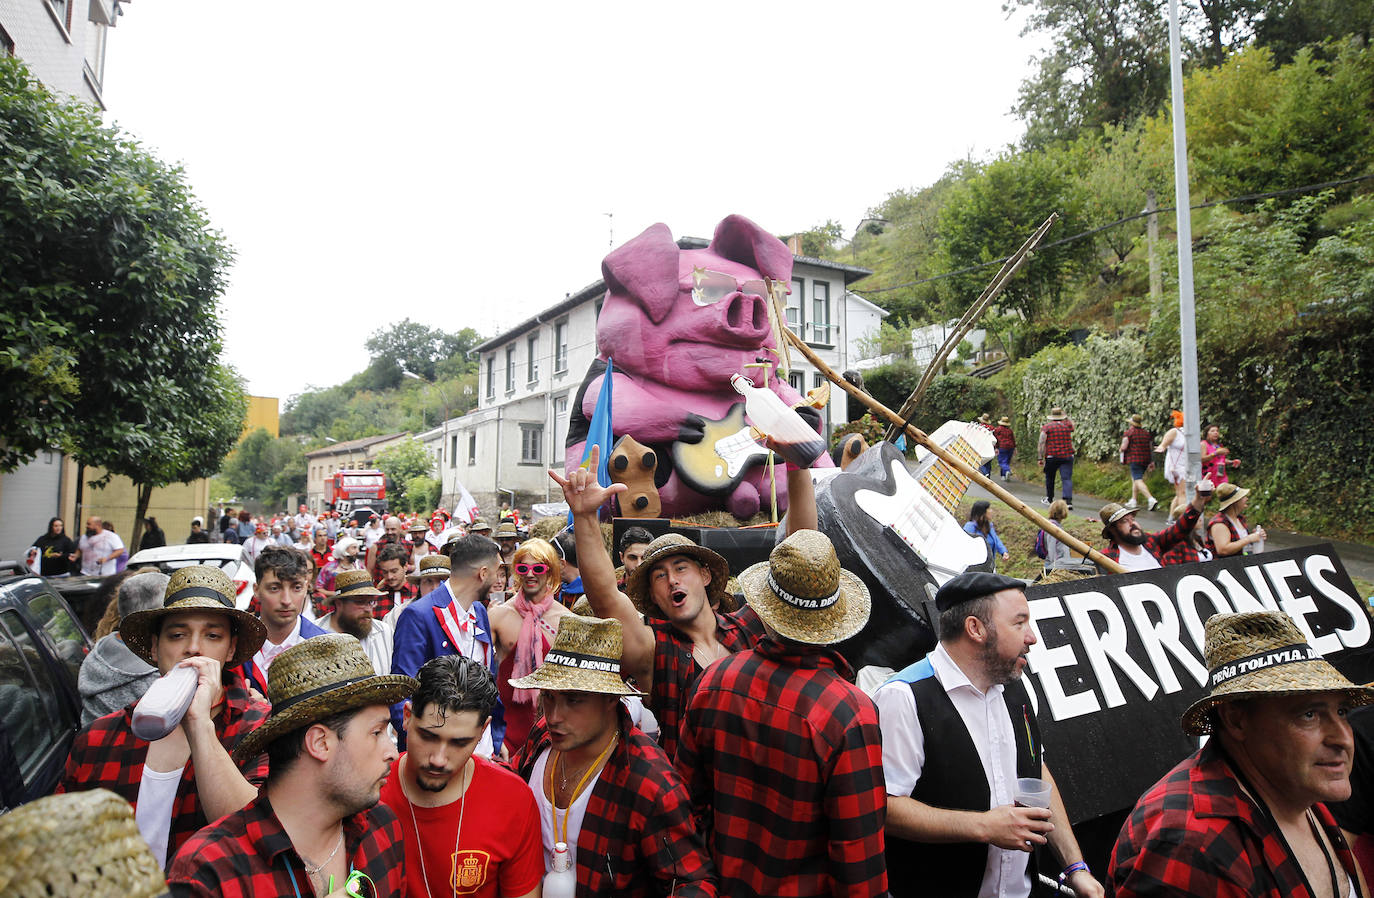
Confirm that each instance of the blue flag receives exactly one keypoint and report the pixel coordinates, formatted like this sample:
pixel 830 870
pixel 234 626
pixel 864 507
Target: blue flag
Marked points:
pixel 599 432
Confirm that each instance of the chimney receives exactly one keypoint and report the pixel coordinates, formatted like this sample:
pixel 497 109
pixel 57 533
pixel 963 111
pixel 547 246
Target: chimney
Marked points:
pixel 794 245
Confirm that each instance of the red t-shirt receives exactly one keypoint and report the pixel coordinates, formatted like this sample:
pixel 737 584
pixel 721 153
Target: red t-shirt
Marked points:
pixel 501 851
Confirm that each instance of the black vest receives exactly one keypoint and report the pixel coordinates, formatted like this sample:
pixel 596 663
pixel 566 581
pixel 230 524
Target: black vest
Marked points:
pixel 952 777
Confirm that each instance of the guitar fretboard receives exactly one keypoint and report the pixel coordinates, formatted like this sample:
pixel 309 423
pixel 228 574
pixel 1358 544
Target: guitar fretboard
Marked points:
pixel 943 482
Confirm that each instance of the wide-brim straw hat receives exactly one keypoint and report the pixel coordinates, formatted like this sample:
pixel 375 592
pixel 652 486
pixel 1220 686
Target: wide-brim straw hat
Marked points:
pixel 803 594
pixel 197 587
pixel 432 566
pixel 585 658
pixel 506 530
pixel 479 526
pixel 1004 421
pixel 1111 513
pixel 1256 653
pixel 1137 421
pixel 76 844
pixel 985 418
pixel 670 545
pixel 316 679
pixel 351 584
pixel 1057 414
pixel 1229 494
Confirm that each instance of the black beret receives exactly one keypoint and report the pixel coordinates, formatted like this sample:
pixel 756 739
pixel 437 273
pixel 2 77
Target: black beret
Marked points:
pixel 973 585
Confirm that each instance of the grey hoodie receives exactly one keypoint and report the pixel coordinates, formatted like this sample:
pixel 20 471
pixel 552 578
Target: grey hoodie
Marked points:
pixel 111 679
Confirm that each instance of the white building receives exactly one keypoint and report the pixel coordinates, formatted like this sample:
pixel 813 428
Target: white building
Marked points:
pixel 62 42
pixel 530 374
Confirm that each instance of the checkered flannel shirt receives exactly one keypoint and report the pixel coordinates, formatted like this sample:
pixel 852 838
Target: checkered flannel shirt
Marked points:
pixel 1195 833
pixel 1159 544
pixel 1139 446
pixel 248 855
pixel 110 756
pixel 637 837
pixel 385 603
pixel 1004 436
pixel 1058 438
pixel 782 755
pixel 675 670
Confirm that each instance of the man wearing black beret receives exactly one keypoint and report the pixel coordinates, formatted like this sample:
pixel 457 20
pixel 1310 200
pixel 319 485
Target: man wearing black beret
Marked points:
pixel 958 731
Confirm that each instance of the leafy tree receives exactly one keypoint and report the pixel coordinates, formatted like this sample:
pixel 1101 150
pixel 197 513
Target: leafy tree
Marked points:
pixel 891 384
pixel 1287 26
pixel 108 299
pixel 421 494
pixel 403 463
pixel 414 347
pixel 907 249
pixel 819 242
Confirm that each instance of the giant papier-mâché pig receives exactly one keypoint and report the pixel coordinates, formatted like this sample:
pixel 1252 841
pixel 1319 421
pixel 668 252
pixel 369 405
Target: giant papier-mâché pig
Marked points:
pixel 674 348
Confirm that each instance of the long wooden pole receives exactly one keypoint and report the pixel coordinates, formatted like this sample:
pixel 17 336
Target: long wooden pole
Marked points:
pixel 957 463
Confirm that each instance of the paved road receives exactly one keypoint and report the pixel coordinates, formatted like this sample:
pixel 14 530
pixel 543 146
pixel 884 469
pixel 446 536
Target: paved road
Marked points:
pixel 1357 558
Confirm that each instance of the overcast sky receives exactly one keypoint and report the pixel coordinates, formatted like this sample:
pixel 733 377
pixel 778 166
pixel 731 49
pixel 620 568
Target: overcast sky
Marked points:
pixel 454 162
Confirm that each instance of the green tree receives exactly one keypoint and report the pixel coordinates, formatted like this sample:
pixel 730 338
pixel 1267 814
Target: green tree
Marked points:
pixel 819 242
pixel 1287 26
pixel 404 462
pixel 411 346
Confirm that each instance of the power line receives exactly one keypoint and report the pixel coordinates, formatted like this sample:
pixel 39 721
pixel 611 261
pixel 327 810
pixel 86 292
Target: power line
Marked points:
pixel 1250 197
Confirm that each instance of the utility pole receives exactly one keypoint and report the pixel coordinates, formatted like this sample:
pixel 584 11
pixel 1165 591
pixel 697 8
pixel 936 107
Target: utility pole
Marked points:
pixel 610 228
pixel 1152 238
pixel 1187 320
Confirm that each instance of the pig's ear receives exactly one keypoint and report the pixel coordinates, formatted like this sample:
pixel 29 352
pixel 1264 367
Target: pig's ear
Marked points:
pixel 740 240
pixel 645 269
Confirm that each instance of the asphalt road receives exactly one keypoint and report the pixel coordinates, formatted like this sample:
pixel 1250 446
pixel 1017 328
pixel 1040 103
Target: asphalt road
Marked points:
pixel 1357 558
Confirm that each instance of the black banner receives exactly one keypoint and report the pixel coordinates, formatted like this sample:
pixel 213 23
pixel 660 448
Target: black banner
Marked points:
pixel 1120 658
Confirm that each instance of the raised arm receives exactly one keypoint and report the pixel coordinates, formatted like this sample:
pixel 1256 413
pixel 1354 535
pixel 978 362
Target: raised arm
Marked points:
pixel 584 496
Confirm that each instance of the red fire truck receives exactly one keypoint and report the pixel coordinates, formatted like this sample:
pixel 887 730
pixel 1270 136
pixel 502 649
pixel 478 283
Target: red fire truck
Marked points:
pixel 346 490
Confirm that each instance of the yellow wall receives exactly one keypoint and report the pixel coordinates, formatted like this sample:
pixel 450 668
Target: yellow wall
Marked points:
pixel 262 412
pixel 172 505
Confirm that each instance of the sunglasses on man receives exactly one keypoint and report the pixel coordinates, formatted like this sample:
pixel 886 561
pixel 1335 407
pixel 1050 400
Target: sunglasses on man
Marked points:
pixel 536 569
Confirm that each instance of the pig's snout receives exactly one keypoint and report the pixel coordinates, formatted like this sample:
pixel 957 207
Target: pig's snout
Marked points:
pixel 746 316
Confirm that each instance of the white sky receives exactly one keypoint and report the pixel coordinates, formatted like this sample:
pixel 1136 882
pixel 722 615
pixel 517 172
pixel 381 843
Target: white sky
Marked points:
pixel 453 162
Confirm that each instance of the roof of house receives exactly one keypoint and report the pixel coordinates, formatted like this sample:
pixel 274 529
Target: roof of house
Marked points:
pixel 573 300
pixel 353 445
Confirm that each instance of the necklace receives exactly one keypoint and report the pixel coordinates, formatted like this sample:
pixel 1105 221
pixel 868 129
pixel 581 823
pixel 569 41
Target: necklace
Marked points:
pixel 462 806
pixel 314 871
pixel 581 784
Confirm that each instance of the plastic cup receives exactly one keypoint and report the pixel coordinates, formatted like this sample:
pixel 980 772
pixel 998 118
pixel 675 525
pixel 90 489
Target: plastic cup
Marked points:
pixel 1032 793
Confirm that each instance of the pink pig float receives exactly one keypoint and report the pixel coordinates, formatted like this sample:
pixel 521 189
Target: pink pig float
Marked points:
pixel 674 356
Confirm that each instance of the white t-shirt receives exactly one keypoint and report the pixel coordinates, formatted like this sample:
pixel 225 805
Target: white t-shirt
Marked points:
pixel 1140 560
pixel 985 716
pixel 157 792
pixel 576 813
pixel 114 545
pixel 94 548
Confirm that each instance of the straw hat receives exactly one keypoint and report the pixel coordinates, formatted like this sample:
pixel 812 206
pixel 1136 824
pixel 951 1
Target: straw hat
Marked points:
pixel 1004 421
pixel 417 526
pixel 667 546
pixel 1111 513
pixel 585 658
pixel 318 678
pixel 506 530
pixel 1254 653
pixel 351 584
pixel 583 607
pixel 803 594
pixel 1057 414
pixel 479 526
pixel 984 418
pixel 197 587
pixel 1137 421
pixel 1229 494
pixel 431 566
pixel 79 843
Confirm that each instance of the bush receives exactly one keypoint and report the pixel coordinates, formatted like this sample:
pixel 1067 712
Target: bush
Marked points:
pixel 891 384
pixel 959 397
pixel 870 428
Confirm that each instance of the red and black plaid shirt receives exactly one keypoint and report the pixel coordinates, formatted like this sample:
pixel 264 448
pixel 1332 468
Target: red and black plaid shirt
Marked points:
pixel 110 756
pixel 783 759
pixel 248 855
pixel 1004 437
pixel 637 837
pixel 1181 553
pixel 1159 544
pixel 1058 438
pixel 675 670
pixel 385 603
pixel 1139 446
pixel 1196 833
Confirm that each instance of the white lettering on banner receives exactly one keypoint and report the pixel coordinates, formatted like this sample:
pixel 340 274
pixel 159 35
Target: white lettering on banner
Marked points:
pixel 1358 633
pixel 1266 595
pixel 1162 635
pixel 1241 598
pixel 1045 662
pixel 1108 646
pixel 1187 592
pixel 1298 607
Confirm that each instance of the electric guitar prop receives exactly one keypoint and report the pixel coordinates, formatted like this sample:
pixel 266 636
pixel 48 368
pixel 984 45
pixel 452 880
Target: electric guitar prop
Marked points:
pixel 715 464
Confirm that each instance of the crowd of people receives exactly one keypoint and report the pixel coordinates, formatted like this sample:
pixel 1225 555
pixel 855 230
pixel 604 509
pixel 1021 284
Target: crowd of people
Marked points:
pixel 422 707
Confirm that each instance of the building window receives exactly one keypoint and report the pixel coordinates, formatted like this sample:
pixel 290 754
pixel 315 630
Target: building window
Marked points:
pixel 531 438
pixel 816 380
pixel 472 448
pixel 797 381
pixel 510 368
pixel 453 451
pixel 560 347
pixel 820 313
pixel 6 43
pixel 560 407
pixel 491 377
pixel 794 307
pixel 62 13
pixel 531 363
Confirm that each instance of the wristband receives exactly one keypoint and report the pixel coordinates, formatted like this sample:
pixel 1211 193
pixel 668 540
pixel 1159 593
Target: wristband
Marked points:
pixel 1073 868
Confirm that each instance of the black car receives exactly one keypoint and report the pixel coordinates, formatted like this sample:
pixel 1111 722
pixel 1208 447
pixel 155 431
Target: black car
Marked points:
pixel 42 645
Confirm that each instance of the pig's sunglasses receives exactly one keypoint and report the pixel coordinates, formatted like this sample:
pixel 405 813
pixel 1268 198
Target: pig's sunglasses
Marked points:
pixel 710 287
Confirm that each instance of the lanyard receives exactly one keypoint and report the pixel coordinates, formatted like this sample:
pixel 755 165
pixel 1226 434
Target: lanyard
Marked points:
pixel 581 784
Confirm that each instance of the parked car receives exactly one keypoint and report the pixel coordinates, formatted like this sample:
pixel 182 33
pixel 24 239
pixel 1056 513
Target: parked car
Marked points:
pixel 42 645
pixel 226 556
